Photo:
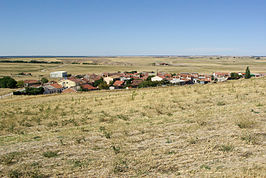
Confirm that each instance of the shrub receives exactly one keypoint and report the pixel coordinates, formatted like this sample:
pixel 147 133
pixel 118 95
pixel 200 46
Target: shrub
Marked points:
pixel 20 84
pixel 245 123
pixel 116 149
pixel 97 82
pixel 234 76
pixel 34 91
pixel 14 174
pixel 44 80
pixel 226 148
pixel 103 85
pixel 10 158
pixel 205 167
pixel 220 103
pixel 50 154
pixel 249 138
pixel 120 166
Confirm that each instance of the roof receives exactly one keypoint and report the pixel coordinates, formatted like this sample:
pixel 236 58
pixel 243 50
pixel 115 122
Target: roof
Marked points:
pixel 221 73
pixel 76 80
pixel 56 85
pixel 31 81
pixel 69 90
pixel 58 72
pixel 36 86
pixel 158 77
pixel 136 82
pixel 118 83
pixel 88 87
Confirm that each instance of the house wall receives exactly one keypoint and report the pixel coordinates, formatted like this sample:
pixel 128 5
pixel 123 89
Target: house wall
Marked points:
pixel 52 90
pixel 108 80
pixel 59 74
pixel 67 83
pixel 156 79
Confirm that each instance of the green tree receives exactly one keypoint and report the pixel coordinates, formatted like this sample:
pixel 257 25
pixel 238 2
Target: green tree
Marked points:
pixel 247 74
pixel 34 91
pixel 234 76
pixel 8 82
pixel 103 85
pixel 20 84
pixel 97 82
pixel 44 80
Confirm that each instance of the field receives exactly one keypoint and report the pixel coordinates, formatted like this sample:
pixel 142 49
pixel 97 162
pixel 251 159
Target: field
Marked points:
pixel 213 130
pixel 205 65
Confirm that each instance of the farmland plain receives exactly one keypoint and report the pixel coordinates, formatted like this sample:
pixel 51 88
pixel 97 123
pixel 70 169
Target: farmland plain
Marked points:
pixel 205 65
pixel 215 130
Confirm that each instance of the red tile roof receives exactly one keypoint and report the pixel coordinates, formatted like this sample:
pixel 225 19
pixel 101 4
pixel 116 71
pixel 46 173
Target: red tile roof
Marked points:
pixel 69 90
pixel 88 87
pixel 118 83
pixel 31 81
pixel 222 73
pixel 56 85
pixel 36 86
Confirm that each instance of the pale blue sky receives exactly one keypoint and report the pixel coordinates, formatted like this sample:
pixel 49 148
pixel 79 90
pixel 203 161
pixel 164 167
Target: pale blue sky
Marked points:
pixel 132 27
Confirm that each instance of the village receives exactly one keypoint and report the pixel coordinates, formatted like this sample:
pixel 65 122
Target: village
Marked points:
pixel 67 83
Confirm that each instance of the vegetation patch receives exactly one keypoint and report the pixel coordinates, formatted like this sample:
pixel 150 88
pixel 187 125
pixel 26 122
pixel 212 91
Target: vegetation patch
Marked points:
pixel 50 154
pixel 245 122
pixel 11 158
pixel 226 148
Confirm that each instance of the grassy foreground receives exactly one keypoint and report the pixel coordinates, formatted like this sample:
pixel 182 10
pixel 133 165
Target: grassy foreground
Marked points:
pixel 199 130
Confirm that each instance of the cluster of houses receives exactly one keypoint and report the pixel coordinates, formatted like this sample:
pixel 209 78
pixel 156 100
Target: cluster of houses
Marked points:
pixel 125 80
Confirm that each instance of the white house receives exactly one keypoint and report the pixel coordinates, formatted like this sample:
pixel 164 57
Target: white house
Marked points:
pixel 156 79
pixel 58 74
pixel 124 78
pixel 111 88
pixel 108 80
pixel 176 81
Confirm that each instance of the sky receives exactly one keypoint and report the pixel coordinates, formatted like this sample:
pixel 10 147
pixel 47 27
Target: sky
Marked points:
pixel 132 27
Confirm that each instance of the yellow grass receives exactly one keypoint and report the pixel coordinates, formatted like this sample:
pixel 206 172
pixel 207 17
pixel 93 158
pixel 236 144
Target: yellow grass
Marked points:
pixel 114 64
pixel 4 91
pixel 212 130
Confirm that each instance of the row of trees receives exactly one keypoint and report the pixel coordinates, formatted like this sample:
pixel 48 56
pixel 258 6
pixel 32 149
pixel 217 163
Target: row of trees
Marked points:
pixel 32 61
pixel 30 91
pixel 235 76
pixel 9 82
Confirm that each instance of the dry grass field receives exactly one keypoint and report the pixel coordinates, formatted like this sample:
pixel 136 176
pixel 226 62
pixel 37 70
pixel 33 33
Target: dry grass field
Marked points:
pixel 205 65
pixel 213 130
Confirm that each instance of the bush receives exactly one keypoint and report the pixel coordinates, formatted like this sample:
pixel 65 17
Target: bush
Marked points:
pixel 234 76
pixel 244 123
pixel 14 174
pixel 30 91
pixel 98 82
pixel 20 84
pixel 34 91
pixel 18 93
pixel 44 80
pixel 8 82
pixel 103 85
pixel 10 158
pixel 50 154
pixel 226 148
pixel 147 83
